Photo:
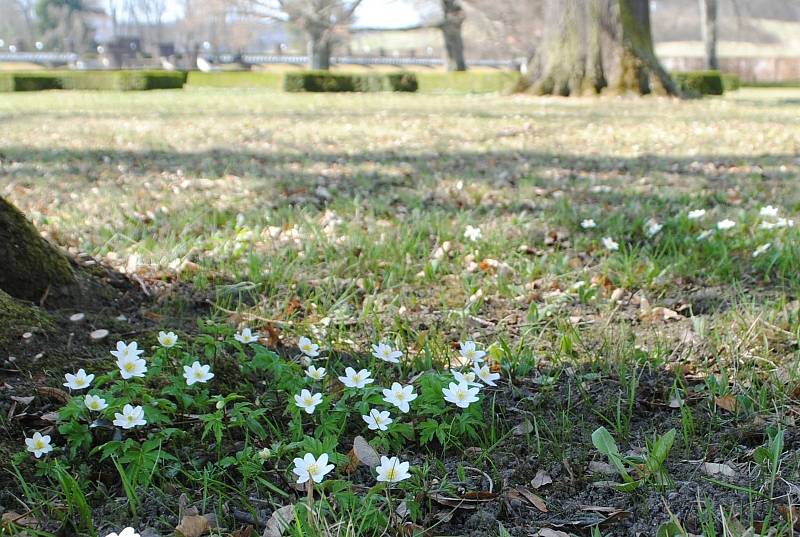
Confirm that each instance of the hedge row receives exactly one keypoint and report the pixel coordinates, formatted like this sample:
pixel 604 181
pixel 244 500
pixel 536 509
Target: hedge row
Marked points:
pixel 698 83
pixel 236 79
pixel 92 80
pixel 326 81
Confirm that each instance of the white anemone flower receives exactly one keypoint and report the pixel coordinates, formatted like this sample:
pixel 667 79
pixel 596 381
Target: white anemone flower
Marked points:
pixel 399 396
pixel 470 352
pixel 377 420
pixel 696 214
pixel 197 373
pixel 131 417
pixel 79 380
pixel 246 336
pixel 127 532
pixel 167 339
pixel 769 210
pixel 386 353
pixel 473 233
pixel 127 350
pixel 726 224
pixel 308 401
pixel 307 347
pixel 310 468
pixel 356 379
pixel 486 375
pixel 461 395
pixel 391 470
pixel 95 402
pixel 315 373
pixel 610 244
pixel 466 377
pixel 761 249
pixel 652 228
pixel 705 234
pixel 588 224
pixel 38 445
pixel 130 367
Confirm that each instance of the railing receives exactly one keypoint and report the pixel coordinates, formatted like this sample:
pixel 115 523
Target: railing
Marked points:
pixel 39 57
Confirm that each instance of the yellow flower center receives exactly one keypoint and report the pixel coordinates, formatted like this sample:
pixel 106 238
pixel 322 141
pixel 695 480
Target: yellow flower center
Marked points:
pixel 470 354
pixel 308 401
pixel 38 444
pixel 460 395
pixel 399 396
pixel 198 374
pixel 313 469
pixel 94 405
pixel 130 367
pixel 391 474
pixel 356 379
pixel 79 381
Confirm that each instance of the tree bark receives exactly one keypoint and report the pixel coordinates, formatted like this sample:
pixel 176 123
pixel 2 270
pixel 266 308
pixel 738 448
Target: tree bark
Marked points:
pixel 708 28
pixel 597 45
pixel 319 50
pixel 452 21
pixel 32 268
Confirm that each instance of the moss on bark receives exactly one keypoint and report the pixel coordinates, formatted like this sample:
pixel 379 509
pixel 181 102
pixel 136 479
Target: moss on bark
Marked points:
pixel 16 318
pixel 31 266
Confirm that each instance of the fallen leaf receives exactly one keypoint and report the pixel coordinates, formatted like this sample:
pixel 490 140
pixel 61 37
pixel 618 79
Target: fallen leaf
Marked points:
pixel 726 402
pixel 714 468
pixel 365 453
pixel 98 334
pixel 193 526
pixel 279 521
pixel 791 513
pixel 470 500
pixel 55 393
pixel 12 517
pixel 523 428
pixel 547 532
pixel 22 400
pixel 541 479
pixel 521 493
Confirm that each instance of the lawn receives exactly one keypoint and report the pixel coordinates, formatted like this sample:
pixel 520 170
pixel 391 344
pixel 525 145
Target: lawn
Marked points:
pixel 631 267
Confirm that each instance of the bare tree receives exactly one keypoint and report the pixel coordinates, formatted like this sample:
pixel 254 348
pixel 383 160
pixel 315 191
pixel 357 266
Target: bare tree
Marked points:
pixel 708 27
pixel 453 16
pixel 517 28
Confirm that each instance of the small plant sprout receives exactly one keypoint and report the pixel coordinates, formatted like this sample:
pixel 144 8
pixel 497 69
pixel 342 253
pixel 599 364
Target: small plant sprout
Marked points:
pixel 95 403
pixel 38 445
pixel 486 375
pixel 308 401
pixel 761 249
pixel 132 416
pixel 79 380
pixel 588 224
pixel 467 377
pixel 197 373
pixel 127 532
pixel 386 353
pixel 610 244
pixel 399 396
pixel 315 373
pixel 167 339
pixel 696 214
pixel 246 336
pixel 353 379
pixel 472 233
pixel 377 420
pixel 461 395
pixel 310 469
pixel 127 350
pixel 470 352
pixel 307 347
pixel 131 366
pixel 724 225
pixel 391 470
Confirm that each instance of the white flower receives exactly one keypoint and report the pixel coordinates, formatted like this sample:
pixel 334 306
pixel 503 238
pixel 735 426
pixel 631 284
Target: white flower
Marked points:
pixel 386 353
pixel 705 234
pixel 470 352
pixel 696 214
pixel 486 375
pixel 265 454
pixel 197 373
pixel 310 468
pixel 399 396
pixel 126 351
pixel 469 377
pixel 652 228
pixel 783 222
pixel 723 225
pixel 95 402
pixel 768 225
pixel 472 233
pixel 391 470
pixel 308 401
pixel 79 380
pixel 588 224
pixel 38 444
pixel 307 347
pixel 131 417
pixel 769 210
pixel 127 532
pixel 461 395
pixel 353 379
pixel 761 249
pixel 610 244
pixel 246 336
pixel 377 420
pixel 167 339
pixel 316 373
pixel 130 366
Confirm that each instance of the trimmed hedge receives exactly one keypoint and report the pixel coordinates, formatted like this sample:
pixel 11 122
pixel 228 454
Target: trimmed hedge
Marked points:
pixel 236 79
pixel 469 81
pixel 730 82
pixel 92 80
pixel 326 81
pixel 699 82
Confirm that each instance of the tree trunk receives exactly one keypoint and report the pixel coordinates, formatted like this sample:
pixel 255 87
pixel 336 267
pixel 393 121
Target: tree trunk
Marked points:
pixel 319 50
pixel 453 20
pixel 595 44
pixel 32 268
pixel 708 27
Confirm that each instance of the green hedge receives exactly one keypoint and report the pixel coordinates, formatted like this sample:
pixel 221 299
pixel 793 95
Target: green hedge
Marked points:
pixel 326 81
pixel 469 81
pixel 730 82
pixel 699 82
pixel 236 79
pixel 92 80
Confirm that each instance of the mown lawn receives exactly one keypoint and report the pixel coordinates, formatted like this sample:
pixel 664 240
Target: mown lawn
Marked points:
pixel 350 219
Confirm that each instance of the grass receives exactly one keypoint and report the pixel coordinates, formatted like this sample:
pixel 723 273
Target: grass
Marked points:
pixel 342 217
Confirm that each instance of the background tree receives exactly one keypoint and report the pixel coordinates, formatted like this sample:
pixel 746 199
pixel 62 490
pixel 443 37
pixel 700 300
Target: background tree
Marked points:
pixel 708 28
pixel 595 44
pixel 63 22
pixel 453 16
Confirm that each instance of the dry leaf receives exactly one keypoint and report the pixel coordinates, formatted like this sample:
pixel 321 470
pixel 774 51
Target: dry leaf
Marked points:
pixel 727 402
pixel 22 400
pixel 55 393
pixel 193 526
pixel 521 493
pixel 791 513
pixel 11 517
pixel 714 468
pixel 365 453
pixel 470 500
pixel 547 532
pixel 541 479
pixel 523 428
pixel 279 521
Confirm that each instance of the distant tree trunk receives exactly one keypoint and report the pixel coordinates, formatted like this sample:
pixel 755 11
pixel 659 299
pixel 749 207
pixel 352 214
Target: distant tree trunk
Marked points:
pixel 453 20
pixel 595 44
pixel 31 267
pixel 319 50
pixel 708 27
